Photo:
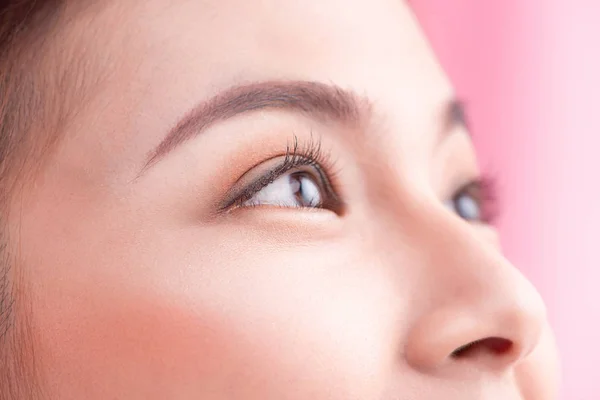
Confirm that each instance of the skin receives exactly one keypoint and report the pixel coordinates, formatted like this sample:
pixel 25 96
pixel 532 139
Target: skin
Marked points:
pixel 141 289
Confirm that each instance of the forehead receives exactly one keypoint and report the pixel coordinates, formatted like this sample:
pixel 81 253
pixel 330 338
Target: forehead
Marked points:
pixel 159 58
pixel 223 40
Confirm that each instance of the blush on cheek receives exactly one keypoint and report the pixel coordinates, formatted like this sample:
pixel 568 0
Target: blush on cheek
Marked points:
pixel 119 348
pixel 146 348
pixel 223 321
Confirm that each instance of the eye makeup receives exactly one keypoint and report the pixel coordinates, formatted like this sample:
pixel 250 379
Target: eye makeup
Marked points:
pixel 305 157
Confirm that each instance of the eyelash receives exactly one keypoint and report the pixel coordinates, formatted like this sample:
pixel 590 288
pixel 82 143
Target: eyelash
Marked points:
pixel 306 154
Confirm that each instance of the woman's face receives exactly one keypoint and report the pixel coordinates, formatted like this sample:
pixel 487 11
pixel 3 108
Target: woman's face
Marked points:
pixel 270 200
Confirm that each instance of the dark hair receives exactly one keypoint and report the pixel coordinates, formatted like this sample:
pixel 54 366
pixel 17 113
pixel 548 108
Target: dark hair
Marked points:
pixel 24 25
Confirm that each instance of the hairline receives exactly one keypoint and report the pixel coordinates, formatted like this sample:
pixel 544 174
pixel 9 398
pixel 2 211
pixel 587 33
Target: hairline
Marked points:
pixel 23 110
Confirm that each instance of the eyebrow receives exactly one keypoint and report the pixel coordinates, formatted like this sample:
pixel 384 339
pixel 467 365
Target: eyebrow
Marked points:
pixel 316 100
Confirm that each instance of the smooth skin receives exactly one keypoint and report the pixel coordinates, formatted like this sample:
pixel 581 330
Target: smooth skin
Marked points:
pixel 143 286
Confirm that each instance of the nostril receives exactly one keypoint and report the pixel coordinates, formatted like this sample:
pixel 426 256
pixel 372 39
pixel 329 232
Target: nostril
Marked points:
pixel 494 345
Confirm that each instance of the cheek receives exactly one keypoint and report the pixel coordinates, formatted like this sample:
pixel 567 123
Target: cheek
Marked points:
pixel 300 319
pixel 186 313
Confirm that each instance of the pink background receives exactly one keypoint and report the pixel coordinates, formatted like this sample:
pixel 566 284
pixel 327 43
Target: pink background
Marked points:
pixel 530 74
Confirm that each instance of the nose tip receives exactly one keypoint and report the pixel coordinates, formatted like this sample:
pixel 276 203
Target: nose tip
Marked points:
pixel 483 338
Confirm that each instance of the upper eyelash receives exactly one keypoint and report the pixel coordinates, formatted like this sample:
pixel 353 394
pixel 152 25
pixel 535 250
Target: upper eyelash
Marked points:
pixel 310 153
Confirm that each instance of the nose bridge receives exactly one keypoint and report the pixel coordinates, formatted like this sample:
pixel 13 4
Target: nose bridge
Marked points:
pixel 469 297
pixel 460 265
pixel 456 258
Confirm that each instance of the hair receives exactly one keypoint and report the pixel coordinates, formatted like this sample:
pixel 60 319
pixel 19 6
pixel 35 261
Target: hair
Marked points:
pixel 25 26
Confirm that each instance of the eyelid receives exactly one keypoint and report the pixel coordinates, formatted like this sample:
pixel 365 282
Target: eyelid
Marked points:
pixel 298 154
pixel 284 165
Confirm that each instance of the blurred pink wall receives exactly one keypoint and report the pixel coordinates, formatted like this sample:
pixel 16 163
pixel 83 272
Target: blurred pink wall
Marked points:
pixel 530 73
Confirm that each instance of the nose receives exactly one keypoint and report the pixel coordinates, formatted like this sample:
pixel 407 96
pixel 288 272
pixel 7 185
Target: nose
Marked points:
pixel 477 313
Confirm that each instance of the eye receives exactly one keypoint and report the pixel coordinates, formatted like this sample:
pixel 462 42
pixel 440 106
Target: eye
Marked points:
pixel 294 189
pixel 302 178
pixel 474 202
